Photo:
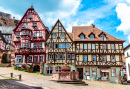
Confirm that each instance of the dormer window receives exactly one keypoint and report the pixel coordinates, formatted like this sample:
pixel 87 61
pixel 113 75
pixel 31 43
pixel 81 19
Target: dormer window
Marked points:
pixel 81 36
pixel 103 37
pixel 92 36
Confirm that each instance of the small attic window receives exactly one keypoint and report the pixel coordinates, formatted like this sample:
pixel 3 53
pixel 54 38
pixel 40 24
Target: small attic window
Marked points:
pixel 91 36
pixel 103 37
pixel 81 36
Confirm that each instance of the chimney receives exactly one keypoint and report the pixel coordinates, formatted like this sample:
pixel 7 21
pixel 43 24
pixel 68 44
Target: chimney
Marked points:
pixel 13 17
pixel 92 25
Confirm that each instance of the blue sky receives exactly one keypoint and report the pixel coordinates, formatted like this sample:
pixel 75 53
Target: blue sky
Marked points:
pixel 111 16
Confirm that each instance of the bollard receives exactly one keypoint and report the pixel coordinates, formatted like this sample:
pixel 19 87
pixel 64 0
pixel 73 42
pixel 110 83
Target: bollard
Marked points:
pixel 11 75
pixel 20 77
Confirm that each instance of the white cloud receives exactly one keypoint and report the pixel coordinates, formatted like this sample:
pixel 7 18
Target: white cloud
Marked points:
pixel 123 14
pixel 10 12
pixel 128 1
pixel 69 26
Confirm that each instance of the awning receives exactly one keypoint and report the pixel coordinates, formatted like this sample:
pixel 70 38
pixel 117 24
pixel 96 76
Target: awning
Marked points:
pixel 104 70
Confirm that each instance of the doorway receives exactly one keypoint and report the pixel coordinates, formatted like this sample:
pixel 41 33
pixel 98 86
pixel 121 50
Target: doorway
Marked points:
pixel 104 73
pixel 80 70
pixel 36 68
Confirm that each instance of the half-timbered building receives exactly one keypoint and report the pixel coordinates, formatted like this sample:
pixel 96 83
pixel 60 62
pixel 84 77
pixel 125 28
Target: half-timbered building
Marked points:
pixel 29 39
pixel 94 53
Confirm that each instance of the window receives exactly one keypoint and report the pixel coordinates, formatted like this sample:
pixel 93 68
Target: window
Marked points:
pixel 81 36
pixel 26 25
pixel 40 34
pixel 68 56
pixel 93 46
pixel 103 37
pixel 22 44
pixel 18 34
pixel 60 45
pixel 34 24
pixel 56 45
pixel 85 58
pixel 113 72
pixel 113 58
pixel 23 32
pixel 104 59
pixel 127 54
pixel 73 56
pixel 51 56
pixel 62 36
pixel 112 46
pixel 63 45
pixel 91 36
pixel 30 16
pixel 94 58
pixel 60 28
pixel 104 46
pixel 27 33
pixel 54 36
pixel 19 45
pixel 58 69
pixel 41 58
pixel 87 71
pixel 56 56
pixel 35 34
pixel 63 56
pixel 60 56
pixel 85 46
pixel 35 59
pixel 129 69
pixel 67 45
pixel 51 45
pixel 26 44
pixel 40 45
pixel 94 72
pixel 30 59
pixel 49 70
pixel 34 45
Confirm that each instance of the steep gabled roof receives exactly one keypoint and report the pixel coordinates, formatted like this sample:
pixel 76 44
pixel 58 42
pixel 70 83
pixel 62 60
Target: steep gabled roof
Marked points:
pixel 88 30
pixel 58 21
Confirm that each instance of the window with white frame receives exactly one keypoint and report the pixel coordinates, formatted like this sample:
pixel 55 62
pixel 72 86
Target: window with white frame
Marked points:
pixel 81 36
pixel 87 71
pixel 40 34
pixel 113 72
pixel 58 69
pixel 51 56
pixel 35 59
pixel 104 46
pixel 85 46
pixel 73 56
pixel 51 45
pixel 113 58
pixel 104 58
pixel 34 34
pixel 92 36
pixel 63 36
pixel 68 56
pixel 34 24
pixel 30 59
pixel 85 58
pixel 67 45
pixel 19 45
pixel 56 56
pixel 27 32
pixel 49 70
pixel 63 45
pixel 103 37
pixel 56 45
pixel 94 58
pixel 26 25
pixel 112 46
pixel 40 45
pixel 41 58
pixel 26 44
pixel 60 28
pixel 54 36
pixel 94 71
pixel 93 46
pixel 34 45
pixel 18 34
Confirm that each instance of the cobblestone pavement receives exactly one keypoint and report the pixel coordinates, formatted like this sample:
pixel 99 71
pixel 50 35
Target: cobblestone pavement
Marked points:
pixel 32 79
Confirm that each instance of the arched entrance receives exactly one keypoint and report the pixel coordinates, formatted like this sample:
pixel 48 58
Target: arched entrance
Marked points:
pixel 36 68
pixel 4 58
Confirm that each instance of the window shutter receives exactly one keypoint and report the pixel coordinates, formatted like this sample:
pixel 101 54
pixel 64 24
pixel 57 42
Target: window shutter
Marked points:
pixel 31 45
pixel 42 44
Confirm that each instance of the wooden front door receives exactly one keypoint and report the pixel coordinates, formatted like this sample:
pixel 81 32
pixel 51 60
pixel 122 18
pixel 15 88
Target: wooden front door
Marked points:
pixel 80 70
